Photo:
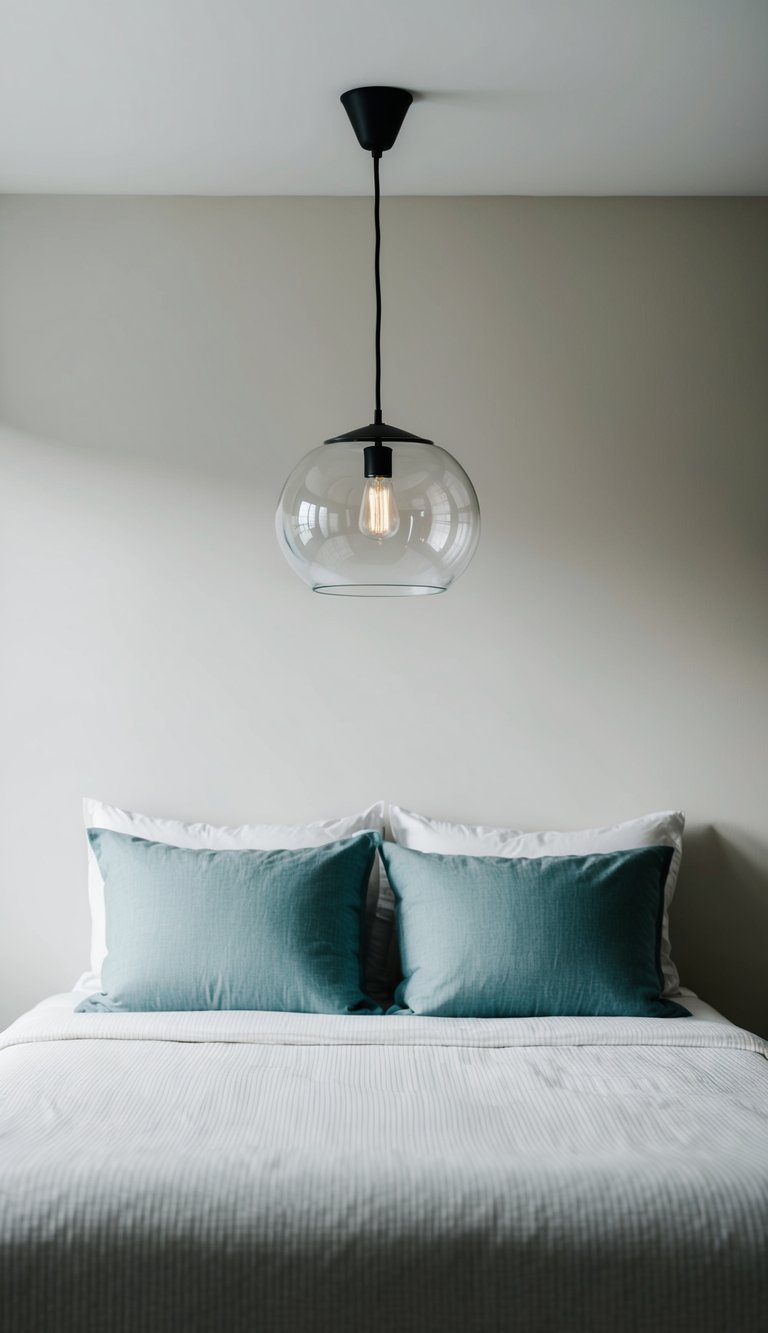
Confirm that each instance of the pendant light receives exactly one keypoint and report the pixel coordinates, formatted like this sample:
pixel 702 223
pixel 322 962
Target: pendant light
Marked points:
pixel 378 511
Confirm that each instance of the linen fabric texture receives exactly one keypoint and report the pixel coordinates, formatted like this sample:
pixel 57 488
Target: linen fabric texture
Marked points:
pixel 242 837
pixel 660 829
pixel 501 937
pixel 201 929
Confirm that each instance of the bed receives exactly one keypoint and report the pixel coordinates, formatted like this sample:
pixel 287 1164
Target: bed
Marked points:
pixel 281 1173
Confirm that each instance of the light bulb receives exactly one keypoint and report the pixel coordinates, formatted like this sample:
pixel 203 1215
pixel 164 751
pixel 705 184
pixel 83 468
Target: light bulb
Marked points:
pixel 378 512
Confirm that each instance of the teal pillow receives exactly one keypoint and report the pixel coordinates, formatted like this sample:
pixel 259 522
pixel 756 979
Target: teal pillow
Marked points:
pixel 504 937
pixel 233 930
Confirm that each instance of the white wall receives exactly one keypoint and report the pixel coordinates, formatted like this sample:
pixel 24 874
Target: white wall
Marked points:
pixel 597 365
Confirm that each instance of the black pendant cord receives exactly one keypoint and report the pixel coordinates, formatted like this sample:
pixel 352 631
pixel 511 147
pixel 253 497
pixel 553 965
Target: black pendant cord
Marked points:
pixel 376 115
pixel 377 278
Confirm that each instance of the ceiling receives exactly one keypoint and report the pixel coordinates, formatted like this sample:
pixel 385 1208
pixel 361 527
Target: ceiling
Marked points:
pixel 572 97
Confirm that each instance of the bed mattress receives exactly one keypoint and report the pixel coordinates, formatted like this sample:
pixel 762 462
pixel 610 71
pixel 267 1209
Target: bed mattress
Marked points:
pixel 287 1172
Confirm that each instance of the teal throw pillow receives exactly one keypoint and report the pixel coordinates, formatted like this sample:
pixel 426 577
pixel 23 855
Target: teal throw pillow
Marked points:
pixel 503 937
pixel 278 930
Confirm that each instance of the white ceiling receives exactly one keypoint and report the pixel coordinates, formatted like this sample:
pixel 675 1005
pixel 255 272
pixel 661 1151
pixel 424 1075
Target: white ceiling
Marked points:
pixel 572 97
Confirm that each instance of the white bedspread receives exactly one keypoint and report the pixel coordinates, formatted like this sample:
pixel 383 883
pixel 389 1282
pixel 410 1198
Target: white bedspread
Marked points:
pixel 282 1173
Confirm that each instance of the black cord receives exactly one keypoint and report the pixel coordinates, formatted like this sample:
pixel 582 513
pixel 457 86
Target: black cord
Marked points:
pixel 377 277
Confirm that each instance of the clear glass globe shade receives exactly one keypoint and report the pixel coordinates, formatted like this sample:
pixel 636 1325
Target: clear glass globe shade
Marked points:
pixel 322 537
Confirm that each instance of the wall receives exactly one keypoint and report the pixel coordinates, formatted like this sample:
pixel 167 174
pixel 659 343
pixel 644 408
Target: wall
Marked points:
pixel 599 367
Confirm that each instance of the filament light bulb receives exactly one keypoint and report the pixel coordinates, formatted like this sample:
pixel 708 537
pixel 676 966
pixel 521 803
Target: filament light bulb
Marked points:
pixel 379 517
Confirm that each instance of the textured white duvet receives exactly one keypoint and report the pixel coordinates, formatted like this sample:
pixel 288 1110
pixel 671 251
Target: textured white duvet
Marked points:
pixel 285 1172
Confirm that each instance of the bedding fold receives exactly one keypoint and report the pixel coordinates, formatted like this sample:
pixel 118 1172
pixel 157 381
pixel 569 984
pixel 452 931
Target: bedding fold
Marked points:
pixel 56 1020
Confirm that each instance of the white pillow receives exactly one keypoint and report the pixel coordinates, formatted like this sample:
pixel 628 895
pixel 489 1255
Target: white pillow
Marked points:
pixel 664 829
pixel 247 837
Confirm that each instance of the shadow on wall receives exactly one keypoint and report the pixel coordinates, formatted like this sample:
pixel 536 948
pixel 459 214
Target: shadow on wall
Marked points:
pixel 719 922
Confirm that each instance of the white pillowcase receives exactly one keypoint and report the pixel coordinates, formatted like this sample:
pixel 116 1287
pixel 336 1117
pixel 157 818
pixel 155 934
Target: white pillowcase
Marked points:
pixel 246 837
pixel 664 829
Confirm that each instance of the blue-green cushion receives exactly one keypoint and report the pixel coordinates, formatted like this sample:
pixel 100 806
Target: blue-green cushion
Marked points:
pixel 501 937
pixel 233 930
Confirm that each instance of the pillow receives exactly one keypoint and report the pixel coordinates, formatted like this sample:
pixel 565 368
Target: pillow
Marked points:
pixel 246 837
pixel 199 929
pixel 664 829
pixel 515 937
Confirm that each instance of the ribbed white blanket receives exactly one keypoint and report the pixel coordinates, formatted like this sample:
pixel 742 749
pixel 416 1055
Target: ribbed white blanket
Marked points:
pixel 283 1173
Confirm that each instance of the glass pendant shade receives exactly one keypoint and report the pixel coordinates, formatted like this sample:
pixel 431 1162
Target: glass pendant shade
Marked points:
pixel 406 535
